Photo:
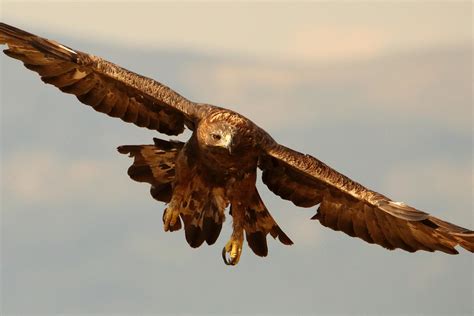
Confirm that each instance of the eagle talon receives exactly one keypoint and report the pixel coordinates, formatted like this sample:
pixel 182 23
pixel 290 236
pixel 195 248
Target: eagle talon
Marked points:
pixel 170 218
pixel 234 249
pixel 224 257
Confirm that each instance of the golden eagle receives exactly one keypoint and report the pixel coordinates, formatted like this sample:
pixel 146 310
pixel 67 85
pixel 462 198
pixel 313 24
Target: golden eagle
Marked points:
pixel 217 166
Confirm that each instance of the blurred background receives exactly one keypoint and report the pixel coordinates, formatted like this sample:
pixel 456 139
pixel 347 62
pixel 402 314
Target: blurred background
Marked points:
pixel 380 91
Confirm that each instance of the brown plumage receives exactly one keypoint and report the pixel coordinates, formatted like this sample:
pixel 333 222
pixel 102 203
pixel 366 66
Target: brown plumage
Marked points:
pixel 217 167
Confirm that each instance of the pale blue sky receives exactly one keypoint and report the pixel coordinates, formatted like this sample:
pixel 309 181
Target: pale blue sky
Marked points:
pixel 383 93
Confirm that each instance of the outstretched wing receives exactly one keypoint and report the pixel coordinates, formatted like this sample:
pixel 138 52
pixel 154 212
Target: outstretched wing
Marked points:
pixel 347 206
pixel 103 85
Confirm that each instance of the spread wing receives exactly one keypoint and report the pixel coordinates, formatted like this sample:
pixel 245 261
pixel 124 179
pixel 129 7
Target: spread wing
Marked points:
pixel 347 206
pixel 103 85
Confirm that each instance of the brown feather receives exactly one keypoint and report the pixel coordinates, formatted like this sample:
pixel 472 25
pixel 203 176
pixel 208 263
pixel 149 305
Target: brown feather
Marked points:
pixel 258 223
pixel 347 206
pixel 148 165
pixel 141 100
pixel 201 204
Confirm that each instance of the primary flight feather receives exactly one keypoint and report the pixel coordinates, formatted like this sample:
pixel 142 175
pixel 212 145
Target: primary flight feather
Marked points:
pixel 217 167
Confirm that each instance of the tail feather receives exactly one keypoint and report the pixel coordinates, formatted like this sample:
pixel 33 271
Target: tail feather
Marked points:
pixel 258 224
pixel 203 213
pixel 201 207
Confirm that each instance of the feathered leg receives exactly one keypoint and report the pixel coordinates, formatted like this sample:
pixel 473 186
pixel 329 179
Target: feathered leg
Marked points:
pixel 250 215
pixel 236 241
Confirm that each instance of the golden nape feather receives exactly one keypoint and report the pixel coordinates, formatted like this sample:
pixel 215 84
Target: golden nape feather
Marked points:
pixel 216 168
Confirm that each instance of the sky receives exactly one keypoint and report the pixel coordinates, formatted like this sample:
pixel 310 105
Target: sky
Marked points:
pixel 380 91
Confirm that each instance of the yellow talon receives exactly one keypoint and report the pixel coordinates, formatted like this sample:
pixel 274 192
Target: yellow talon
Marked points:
pixel 234 249
pixel 170 217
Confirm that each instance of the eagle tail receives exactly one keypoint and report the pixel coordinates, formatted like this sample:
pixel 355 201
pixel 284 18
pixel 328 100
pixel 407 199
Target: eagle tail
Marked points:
pixel 154 164
pixel 202 212
pixel 258 223
pixel 201 207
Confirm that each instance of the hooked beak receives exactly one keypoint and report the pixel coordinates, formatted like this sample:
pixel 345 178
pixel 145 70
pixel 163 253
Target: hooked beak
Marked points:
pixel 227 143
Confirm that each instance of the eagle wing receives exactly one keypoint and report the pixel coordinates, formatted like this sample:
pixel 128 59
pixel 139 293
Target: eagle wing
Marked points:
pixel 103 85
pixel 347 206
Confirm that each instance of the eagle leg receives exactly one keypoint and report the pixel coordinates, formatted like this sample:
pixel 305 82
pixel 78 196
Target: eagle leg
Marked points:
pixel 171 221
pixel 234 246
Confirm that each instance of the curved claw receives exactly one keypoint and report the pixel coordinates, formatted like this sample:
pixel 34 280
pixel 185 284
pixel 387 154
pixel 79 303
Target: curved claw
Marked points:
pixel 234 249
pixel 224 257
pixel 171 221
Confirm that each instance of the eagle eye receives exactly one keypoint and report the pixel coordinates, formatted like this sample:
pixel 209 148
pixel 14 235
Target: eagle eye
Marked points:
pixel 216 136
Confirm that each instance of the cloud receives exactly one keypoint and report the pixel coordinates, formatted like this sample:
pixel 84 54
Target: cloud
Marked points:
pixel 306 234
pixel 319 30
pixel 159 248
pixel 422 87
pixel 337 43
pixel 233 75
pixel 252 88
pixel 443 183
pixel 31 177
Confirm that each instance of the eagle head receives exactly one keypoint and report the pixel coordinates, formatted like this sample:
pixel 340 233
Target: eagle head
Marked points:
pixel 219 136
